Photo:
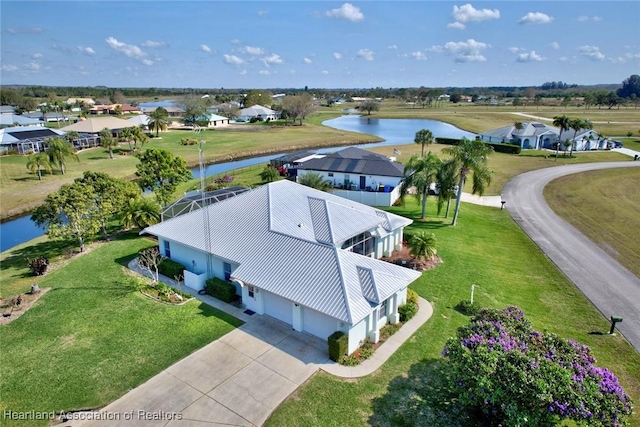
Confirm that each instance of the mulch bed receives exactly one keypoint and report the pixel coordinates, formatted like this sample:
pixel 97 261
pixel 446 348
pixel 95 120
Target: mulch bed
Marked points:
pixel 11 309
pixel 404 258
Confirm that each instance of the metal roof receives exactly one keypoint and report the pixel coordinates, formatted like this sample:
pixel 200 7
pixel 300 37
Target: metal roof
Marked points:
pixel 281 236
pixel 357 161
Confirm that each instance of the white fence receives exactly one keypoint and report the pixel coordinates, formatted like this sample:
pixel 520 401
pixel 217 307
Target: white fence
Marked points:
pixel 371 198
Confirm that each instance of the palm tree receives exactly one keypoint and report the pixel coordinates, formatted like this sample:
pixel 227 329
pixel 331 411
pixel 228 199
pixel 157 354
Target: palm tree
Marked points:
pixel 126 135
pixel 420 172
pixel 38 161
pixel 576 125
pixel 140 212
pixel 108 141
pixel 518 125
pixel 423 137
pixel 158 120
pixel 71 136
pixel 563 122
pixel 446 182
pixel 423 245
pixel 470 157
pixel 58 151
pixel 315 180
pixel 139 136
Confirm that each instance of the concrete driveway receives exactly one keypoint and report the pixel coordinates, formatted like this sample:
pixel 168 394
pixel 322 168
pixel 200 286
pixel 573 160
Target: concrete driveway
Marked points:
pixel 613 289
pixel 237 380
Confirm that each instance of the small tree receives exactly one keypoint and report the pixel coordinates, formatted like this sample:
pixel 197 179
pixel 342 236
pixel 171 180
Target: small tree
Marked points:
pixel 423 138
pixel 37 162
pixel 269 174
pixel 149 260
pixel 369 106
pixel 423 245
pixel 315 180
pixel 500 367
pixel 108 141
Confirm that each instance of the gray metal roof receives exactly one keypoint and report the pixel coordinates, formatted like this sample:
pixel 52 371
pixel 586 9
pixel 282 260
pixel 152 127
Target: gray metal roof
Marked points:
pixel 529 129
pixel 282 237
pixel 357 161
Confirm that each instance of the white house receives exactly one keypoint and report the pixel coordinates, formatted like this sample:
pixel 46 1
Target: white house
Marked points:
pixel 258 111
pixel 303 256
pixel 12 119
pixel 216 120
pixel 359 175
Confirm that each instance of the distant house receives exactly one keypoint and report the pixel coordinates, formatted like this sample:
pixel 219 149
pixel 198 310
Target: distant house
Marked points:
pixel 258 111
pixel 4 109
pixel 113 109
pixel 172 111
pixel 216 120
pixel 11 119
pixel 94 125
pixel 86 101
pixel 537 135
pixel 49 117
pixel 139 120
pixel 26 139
pixel 359 175
pixel 302 256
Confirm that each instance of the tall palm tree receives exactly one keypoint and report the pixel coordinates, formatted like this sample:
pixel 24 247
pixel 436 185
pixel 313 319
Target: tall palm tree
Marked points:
pixel 423 245
pixel 58 151
pixel 108 141
pixel 158 120
pixel 470 158
pixel 423 137
pixel 577 125
pixel 71 136
pixel 563 122
pixel 420 172
pixel 446 182
pixel 126 135
pixel 315 180
pixel 139 136
pixel 38 161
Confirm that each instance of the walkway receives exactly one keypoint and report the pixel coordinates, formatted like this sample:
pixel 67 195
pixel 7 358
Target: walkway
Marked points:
pixel 239 379
pixel 613 289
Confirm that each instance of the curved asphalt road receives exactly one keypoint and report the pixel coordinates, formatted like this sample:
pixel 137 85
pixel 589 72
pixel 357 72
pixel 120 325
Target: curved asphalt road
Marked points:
pixel 613 289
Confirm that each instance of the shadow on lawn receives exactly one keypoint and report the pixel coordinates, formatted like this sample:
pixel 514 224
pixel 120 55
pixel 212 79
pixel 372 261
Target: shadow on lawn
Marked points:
pixel 418 398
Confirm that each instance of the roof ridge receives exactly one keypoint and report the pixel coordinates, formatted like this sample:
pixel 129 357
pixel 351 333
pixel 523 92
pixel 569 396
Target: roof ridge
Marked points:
pixel 343 285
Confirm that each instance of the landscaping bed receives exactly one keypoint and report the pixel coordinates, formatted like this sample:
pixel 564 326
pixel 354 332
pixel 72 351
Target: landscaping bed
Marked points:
pixel 404 258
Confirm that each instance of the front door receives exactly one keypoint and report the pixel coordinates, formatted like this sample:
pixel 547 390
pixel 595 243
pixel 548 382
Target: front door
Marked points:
pixel 363 182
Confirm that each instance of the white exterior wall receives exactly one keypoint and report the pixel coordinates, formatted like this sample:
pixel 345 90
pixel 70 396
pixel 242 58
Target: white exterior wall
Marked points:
pixel 318 324
pixel 369 198
pixel 371 180
pixel 357 335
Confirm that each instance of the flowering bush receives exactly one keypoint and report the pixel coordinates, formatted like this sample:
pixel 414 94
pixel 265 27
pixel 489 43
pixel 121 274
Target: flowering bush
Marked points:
pixel 498 366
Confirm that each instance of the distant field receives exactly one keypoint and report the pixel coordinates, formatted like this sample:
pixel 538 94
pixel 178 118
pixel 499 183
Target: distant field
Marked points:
pixel 604 206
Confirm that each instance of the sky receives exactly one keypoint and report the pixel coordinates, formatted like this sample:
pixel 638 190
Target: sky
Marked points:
pixel 323 44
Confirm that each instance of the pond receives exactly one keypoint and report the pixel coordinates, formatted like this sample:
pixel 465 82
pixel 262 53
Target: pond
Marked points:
pixel 393 131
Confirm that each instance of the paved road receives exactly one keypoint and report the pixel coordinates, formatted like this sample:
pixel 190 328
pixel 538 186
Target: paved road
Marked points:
pixel 613 289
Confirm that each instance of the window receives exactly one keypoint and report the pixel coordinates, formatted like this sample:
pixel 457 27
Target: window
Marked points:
pixel 227 270
pixel 383 310
pixel 251 291
pixel 167 249
pixel 330 174
pixel 362 244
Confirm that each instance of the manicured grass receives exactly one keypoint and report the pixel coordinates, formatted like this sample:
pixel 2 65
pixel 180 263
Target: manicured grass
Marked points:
pixel 605 210
pixel 486 249
pixel 631 143
pixel 94 337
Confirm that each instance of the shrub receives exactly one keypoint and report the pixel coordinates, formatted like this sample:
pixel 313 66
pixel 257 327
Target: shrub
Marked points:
pixel 497 147
pixel 407 311
pixel 500 367
pixel 448 141
pixel 465 307
pixel 412 296
pixel 338 344
pixel 188 141
pixel 220 289
pixel 171 269
pixel 38 266
pixel 389 329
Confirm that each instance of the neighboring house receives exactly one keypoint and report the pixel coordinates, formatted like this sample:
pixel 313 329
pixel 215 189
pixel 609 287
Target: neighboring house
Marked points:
pixel 26 139
pixel 94 125
pixel 86 101
pixel 113 108
pixel 11 119
pixel 303 256
pixel 216 120
pixel 7 109
pixel 139 120
pixel 359 175
pixel 171 111
pixel 50 116
pixel 537 135
pixel 258 111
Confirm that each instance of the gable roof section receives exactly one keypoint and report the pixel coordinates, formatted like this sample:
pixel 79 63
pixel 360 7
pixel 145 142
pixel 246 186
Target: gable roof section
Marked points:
pixel 357 161
pixel 281 235
pixel 529 130
pixel 8 119
pixel 256 110
pixel 95 125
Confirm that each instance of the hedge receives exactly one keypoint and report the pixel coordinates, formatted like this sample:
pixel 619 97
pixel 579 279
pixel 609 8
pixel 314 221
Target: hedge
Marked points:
pixel 497 147
pixel 171 269
pixel 220 289
pixel 338 345
pixel 407 311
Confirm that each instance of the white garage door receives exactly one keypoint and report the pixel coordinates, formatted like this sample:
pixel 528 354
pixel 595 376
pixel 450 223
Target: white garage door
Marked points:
pixel 278 307
pixel 318 324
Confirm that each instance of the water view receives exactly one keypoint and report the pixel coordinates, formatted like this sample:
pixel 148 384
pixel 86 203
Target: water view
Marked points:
pixel 393 131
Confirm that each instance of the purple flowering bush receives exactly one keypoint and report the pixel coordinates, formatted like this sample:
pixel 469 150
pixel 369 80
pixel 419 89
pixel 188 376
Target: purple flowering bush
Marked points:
pixel 501 369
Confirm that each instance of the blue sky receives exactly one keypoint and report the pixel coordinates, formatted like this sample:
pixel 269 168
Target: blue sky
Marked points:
pixel 270 44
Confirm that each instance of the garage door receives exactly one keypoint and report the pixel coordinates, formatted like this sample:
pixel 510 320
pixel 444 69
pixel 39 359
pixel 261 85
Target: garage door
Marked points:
pixel 278 307
pixel 318 324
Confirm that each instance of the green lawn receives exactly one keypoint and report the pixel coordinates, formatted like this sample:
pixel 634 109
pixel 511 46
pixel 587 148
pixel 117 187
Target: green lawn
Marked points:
pixel 486 249
pixel 94 337
pixel 605 210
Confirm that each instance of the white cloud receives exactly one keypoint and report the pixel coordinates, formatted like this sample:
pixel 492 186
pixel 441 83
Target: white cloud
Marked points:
pixel 154 44
pixel 346 11
pixel 626 58
pixel 262 12
pixel 306 60
pixel 130 50
pixel 233 60
pixel 596 18
pixel 272 59
pixel 456 25
pixel 582 18
pixel 36 55
pixel 337 55
pixel 591 52
pixel 9 67
pixel 235 41
pixel 366 54
pixel 392 46
pixel 264 72
pixel 585 18
pixel 535 18
pixel 33 66
pixel 205 48
pixel 87 50
pixel 514 49
pixel 435 48
pixel 529 57
pixel 325 72
pixel 32 30
pixel 555 45
pixel 420 56
pixel 468 13
pixel 243 73
pixel 469 51
pixel 252 50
